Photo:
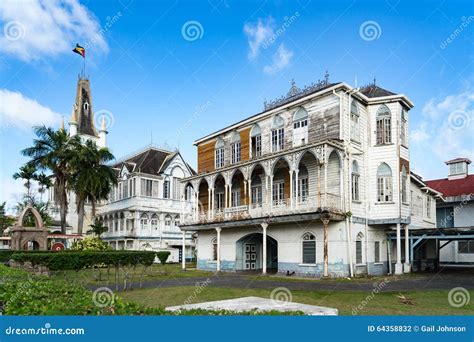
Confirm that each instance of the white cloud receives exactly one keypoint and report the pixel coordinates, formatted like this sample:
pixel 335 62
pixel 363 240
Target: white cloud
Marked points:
pixel 280 60
pixel 258 34
pixel 34 29
pixel 16 110
pixel 445 131
pixel 12 192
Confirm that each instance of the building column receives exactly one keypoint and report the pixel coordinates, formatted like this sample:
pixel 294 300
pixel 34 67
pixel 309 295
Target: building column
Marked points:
pixel 266 192
pixel 325 184
pixel 183 252
pixel 209 199
pixel 271 192
pixel 398 265
pixel 297 190
pixel 218 265
pixel 407 265
pixel 196 203
pixel 213 200
pixel 249 191
pixel 264 256
pixel 246 199
pixel 325 251
pixel 291 189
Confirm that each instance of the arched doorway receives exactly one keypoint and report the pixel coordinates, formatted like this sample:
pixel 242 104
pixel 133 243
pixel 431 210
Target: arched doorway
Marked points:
pixel 31 245
pixel 249 253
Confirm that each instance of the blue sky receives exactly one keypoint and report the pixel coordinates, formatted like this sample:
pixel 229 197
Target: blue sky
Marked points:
pixel 174 71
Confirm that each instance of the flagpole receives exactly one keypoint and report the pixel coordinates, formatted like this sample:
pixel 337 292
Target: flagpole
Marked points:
pixel 84 67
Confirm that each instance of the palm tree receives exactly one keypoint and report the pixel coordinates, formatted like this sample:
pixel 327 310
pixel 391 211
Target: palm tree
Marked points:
pixel 97 228
pixel 92 178
pixel 44 182
pixel 53 150
pixel 26 172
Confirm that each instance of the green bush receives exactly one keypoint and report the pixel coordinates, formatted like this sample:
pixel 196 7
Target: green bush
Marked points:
pixel 90 243
pixel 5 255
pixel 77 260
pixel 163 256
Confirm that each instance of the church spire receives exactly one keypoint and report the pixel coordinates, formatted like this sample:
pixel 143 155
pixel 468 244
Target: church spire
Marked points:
pixel 83 115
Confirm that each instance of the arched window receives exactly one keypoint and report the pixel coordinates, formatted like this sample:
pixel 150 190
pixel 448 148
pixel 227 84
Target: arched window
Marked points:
pixel 384 125
pixel 235 147
pixel 355 131
pixel 309 248
pixel 167 222
pixel 144 221
pixel 154 222
pixel 358 243
pixel 355 176
pixel 278 134
pixel 384 183
pixel 300 127
pixel 256 141
pixel 404 185
pixel 176 221
pixel 214 249
pixel 219 152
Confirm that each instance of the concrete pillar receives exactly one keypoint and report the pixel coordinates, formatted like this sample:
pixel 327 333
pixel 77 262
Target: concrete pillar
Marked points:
pixel 183 253
pixel 218 230
pixel 407 264
pixel 291 190
pixel 249 191
pixel 264 256
pixel 297 189
pixel 213 200
pixel 209 200
pixel 271 192
pixel 398 265
pixel 326 253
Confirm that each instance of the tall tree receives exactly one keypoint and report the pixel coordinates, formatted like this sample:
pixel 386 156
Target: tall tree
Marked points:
pixel 97 228
pixel 27 173
pixel 44 183
pixel 52 151
pixel 5 220
pixel 92 178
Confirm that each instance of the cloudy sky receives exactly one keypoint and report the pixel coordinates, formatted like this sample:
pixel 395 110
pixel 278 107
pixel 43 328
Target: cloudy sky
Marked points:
pixel 173 71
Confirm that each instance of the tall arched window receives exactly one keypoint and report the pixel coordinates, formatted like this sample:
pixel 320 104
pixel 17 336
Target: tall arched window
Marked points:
pixel 219 153
pixel 256 141
pixel 403 128
pixel 358 249
pixel 235 147
pixel 384 183
pixel 168 222
pixel 355 176
pixel 404 185
pixel 278 134
pixel 300 127
pixel 384 125
pixel 355 134
pixel 166 188
pixel 214 249
pixel 308 242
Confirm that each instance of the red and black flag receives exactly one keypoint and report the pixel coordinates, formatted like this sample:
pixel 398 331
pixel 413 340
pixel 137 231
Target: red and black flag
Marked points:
pixel 80 50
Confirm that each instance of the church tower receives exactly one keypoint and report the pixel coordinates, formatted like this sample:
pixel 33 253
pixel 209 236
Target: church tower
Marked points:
pixel 82 121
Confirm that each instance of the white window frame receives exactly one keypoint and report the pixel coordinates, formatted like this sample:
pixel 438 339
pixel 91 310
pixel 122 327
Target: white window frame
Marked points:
pixel 235 198
pixel 278 192
pixel 383 126
pixel 308 239
pixel 278 139
pixel 235 152
pixel 220 157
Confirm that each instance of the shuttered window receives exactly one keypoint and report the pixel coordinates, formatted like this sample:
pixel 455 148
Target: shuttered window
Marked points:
pixel 358 252
pixel 309 248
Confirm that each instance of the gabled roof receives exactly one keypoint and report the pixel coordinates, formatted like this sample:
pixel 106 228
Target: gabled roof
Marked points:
pixel 170 158
pixel 373 90
pixel 453 187
pixel 147 161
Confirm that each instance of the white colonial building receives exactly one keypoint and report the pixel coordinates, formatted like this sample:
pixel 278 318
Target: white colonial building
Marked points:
pixel 313 185
pixel 143 210
pixel 82 124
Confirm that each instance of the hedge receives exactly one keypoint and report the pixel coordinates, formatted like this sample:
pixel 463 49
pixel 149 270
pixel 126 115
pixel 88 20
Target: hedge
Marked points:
pixel 77 260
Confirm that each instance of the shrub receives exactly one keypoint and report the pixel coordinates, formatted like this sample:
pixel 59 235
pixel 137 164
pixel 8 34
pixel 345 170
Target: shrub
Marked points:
pixel 91 244
pixel 163 256
pixel 5 255
pixel 77 260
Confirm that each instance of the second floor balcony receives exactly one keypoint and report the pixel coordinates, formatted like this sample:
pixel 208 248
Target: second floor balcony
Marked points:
pixel 307 181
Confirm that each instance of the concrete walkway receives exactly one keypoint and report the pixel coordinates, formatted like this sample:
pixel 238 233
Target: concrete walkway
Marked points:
pixel 446 279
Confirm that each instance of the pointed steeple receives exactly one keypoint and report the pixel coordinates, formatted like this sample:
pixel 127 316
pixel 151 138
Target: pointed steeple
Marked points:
pixel 73 116
pixel 103 125
pixel 62 123
pixel 83 113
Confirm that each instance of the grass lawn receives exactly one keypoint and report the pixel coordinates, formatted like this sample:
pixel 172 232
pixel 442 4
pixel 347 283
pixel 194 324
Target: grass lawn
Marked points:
pixel 154 272
pixel 432 302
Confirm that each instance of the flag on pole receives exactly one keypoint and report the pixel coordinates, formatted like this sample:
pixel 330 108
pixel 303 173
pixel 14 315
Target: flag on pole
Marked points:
pixel 80 50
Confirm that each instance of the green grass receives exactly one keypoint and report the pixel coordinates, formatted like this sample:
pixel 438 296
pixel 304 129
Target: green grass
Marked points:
pixel 434 302
pixel 155 272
